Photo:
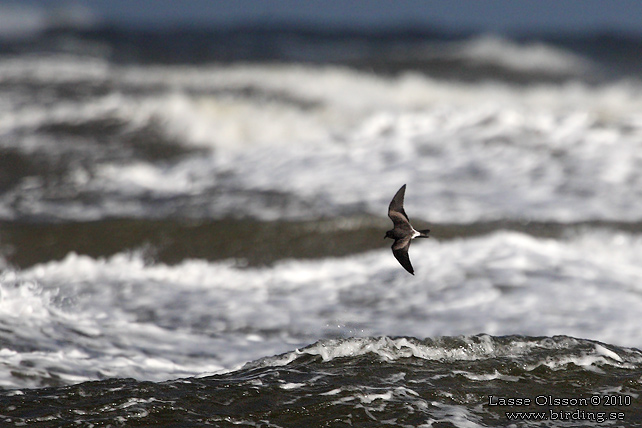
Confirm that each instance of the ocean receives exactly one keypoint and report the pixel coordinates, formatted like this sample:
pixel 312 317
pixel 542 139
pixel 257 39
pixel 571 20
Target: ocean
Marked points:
pixel 192 222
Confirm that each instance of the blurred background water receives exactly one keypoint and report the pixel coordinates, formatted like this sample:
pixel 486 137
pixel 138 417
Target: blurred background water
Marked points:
pixel 189 186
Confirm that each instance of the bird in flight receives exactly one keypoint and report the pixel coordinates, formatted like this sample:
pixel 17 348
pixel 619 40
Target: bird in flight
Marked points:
pixel 402 232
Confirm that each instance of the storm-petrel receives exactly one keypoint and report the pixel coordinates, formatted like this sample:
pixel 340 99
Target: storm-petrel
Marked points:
pixel 402 232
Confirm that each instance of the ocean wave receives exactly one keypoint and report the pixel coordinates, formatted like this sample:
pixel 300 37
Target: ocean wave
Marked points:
pixel 127 316
pixel 373 382
pixel 531 352
pixel 524 57
pixel 274 142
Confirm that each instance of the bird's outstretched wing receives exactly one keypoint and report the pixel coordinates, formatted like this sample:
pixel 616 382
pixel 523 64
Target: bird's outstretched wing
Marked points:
pixel 396 211
pixel 400 251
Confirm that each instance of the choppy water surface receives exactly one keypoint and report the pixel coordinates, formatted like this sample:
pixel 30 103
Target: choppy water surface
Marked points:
pixel 201 241
pixel 461 381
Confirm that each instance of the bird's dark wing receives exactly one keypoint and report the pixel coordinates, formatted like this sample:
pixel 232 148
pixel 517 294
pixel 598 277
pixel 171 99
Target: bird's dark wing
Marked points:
pixel 396 211
pixel 400 251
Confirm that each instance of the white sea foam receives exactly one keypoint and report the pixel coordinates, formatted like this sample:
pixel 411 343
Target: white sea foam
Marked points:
pixel 329 140
pixel 533 57
pixel 83 318
pixel 337 140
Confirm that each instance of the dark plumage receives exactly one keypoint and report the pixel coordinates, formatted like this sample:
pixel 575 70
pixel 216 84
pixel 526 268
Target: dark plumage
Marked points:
pixel 402 232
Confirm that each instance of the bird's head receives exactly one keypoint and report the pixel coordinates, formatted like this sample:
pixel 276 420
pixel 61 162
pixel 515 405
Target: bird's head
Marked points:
pixel 389 235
